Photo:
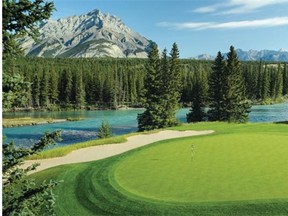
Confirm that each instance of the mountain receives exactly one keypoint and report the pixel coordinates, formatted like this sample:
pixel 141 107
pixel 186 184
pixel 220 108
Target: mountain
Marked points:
pixel 253 55
pixel 90 35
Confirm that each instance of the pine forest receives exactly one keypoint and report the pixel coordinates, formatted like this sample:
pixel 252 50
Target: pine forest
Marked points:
pixel 97 83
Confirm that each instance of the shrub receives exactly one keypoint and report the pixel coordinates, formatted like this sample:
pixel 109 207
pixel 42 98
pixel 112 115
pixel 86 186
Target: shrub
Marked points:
pixel 104 131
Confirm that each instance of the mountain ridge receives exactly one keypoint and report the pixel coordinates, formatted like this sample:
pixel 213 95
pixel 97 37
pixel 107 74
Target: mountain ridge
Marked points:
pixel 96 34
pixel 253 55
pixel 93 34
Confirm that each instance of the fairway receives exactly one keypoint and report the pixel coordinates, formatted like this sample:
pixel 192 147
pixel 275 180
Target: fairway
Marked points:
pixel 239 170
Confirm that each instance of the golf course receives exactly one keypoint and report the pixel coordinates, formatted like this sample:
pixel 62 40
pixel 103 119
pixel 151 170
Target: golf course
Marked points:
pixel 240 169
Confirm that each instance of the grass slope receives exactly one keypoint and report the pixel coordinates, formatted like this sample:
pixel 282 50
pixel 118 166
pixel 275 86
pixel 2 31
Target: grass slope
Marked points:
pixel 241 170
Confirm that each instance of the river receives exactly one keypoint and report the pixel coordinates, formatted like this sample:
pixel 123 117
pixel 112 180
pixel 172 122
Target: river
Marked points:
pixel 121 121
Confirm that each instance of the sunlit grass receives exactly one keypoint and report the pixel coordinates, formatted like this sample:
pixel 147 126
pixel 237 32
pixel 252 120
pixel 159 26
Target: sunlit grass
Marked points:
pixel 239 170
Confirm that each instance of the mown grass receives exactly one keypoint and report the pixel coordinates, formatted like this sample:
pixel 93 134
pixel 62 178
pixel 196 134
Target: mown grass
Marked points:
pixel 231 173
pixel 218 168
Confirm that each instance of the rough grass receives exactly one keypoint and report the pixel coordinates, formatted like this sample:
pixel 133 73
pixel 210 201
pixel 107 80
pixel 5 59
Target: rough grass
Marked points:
pixel 234 175
pixel 14 122
pixel 64 150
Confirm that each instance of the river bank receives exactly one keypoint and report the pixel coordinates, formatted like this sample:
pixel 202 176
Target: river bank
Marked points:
pixel 28 121
pixel 121 122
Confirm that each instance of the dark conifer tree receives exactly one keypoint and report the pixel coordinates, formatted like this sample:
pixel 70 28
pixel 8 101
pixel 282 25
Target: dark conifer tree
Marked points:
pixel 278 83
pixel 200 89
pixel 67 86
pixel 151 118
pixel 162 90
pixel 265 84
pixel 78 93
pixel 236 106
pixel 272 82
pixel 260 80
pixel 53 87
pixel 174 86
pixel 36 90
pixel 285 79
pixel 251 81
pixel 44 89
pixel 216 89
pixel 133 86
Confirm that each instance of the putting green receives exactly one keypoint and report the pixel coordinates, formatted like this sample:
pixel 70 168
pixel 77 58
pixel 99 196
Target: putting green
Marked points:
pixel 230 167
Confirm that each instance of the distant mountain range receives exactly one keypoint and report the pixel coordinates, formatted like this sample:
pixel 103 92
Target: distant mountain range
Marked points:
pixel 97 35
pixel 253 55
pixel 90 35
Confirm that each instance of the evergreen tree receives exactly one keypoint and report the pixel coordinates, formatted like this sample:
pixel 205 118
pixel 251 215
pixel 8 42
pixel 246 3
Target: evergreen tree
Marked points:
pixel 133 86
pixel 272 74
pixel 53 87
pixel 265 84
pixel 104 131
pixel 260 79
pixel 151 118
pixel 44 89
pixel 162 90
pixel 285 79
pixel 91 89
pixel 20 18
pixel 216 89
pixel 15 90
pixel 200 90
pixel 236 106
pixel 78 93
pixel 251 82
pixel 21 195
pixel 278 83
pixel 171 87
pixel 66 87
pixel 107 82
pixel 36 90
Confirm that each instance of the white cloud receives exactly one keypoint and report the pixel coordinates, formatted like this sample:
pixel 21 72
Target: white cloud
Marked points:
pixel 245 6
pixel 238 6
pixel 208 9
pixel 188 25
pixel 261 23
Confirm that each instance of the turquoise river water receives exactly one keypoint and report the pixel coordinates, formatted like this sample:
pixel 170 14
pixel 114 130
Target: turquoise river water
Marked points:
pixel 121 121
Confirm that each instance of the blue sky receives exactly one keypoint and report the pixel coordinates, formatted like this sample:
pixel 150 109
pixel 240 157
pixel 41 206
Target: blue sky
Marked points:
pixel 197 26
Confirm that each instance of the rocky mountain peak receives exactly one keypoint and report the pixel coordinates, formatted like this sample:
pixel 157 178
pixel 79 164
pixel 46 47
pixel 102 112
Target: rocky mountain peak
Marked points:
pixel 93 34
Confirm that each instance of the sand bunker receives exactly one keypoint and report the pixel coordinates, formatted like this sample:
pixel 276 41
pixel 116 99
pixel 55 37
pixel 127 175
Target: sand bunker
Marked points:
pixel 104 151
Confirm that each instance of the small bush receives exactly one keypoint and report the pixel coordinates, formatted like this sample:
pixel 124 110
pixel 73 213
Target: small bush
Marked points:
pixel 104 131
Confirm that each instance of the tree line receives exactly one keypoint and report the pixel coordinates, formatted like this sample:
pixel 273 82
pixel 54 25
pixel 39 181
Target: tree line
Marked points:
pixel 110 83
